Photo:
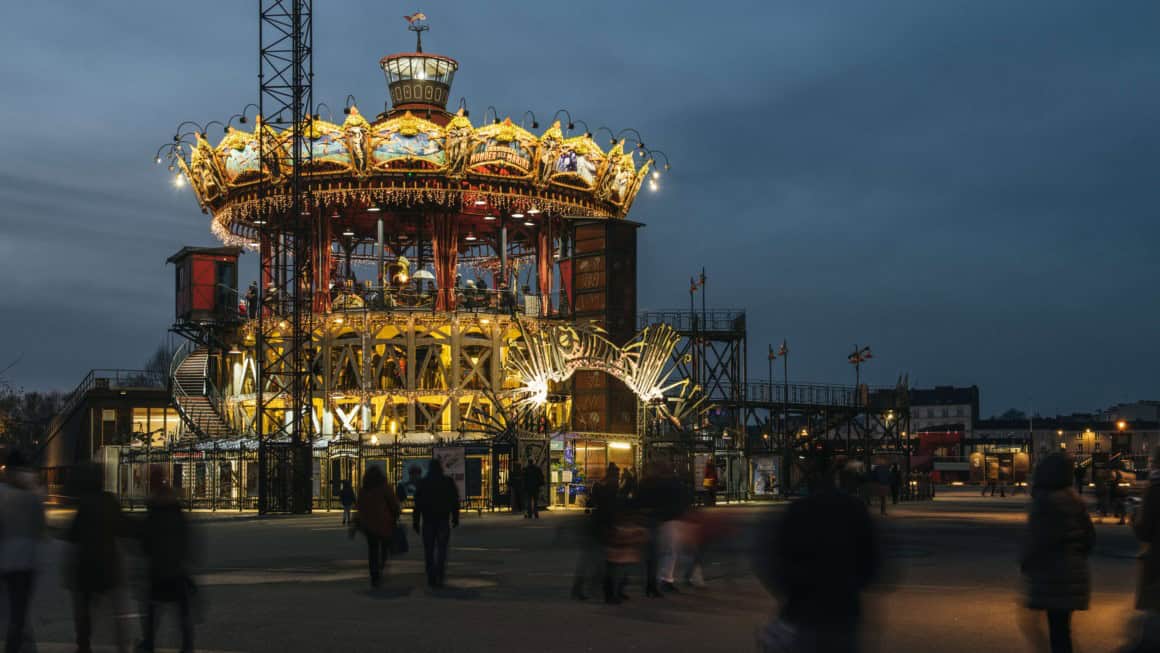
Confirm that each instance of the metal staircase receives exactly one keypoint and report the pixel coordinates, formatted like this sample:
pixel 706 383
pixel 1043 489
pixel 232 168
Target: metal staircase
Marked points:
pixel 190 394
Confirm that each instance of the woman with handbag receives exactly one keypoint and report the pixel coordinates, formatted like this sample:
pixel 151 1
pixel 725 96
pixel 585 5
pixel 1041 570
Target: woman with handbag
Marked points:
pixel 378 511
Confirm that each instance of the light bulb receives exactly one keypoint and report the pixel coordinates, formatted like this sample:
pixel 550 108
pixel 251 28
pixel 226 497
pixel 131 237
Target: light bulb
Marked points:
pixel 178 181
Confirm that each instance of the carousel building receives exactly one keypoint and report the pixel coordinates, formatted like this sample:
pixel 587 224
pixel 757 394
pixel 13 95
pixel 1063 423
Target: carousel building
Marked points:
pixel 472 289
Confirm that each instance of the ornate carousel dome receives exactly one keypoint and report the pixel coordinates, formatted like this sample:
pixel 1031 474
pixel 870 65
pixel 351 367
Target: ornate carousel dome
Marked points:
pixel 405 161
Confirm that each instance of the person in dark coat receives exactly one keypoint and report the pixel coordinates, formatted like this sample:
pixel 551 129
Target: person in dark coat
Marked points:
pixel 347 497
pixel 166 544
pixel 895 483
pixel 436 513
pixel 1056 547
pixel 533 482
pixel 378 510
pixel 93 567
pixel 818 559
pixel 1146 525
pixel 628 487
pixel 606 511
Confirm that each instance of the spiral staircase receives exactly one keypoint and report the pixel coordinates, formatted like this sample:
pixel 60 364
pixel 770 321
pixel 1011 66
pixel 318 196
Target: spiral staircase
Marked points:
pixel 191 396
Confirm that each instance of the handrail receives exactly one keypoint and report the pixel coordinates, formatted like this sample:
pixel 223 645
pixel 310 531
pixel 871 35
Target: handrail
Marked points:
pixel 684 320
pixel 114 379
pixel 809 394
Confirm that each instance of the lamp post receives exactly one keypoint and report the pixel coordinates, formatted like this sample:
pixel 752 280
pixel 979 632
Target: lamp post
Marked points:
pixel 782 351
pixel 856 358
pixel 393 427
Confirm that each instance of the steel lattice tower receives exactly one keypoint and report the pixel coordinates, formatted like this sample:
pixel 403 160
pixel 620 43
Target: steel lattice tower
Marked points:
pixel 284 422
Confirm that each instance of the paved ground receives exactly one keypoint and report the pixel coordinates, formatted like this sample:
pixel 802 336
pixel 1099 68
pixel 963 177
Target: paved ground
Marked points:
pixel 298 583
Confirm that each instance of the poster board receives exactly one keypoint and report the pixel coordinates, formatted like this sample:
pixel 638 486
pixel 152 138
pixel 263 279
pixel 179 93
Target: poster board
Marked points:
pixel 454 461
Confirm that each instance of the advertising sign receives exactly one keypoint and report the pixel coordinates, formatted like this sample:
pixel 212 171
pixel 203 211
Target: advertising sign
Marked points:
pixel 454 461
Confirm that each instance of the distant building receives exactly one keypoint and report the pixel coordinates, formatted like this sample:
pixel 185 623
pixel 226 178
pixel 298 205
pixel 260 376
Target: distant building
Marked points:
pixel 1148 411
pixel 108 411
pixel 944 409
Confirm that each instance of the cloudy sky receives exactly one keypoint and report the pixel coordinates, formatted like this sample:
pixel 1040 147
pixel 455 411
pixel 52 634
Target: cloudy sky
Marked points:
pixel 969 187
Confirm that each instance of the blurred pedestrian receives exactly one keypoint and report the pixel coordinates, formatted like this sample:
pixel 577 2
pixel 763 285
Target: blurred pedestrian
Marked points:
pixel 895 483
pixel 817 560
pixel 655 491
pixel 516 481
pixel 1079 478
pixel 606 511
pixel 347 497
pixel 378 513
pixel 881 486
pixel 93 565
pixel 674 503
pixel 22 528
pixel 622 552
pixel 167 545
pixel 588 561
pixel 1116 493
pixel 436 513
pixel 533 482
pixel 1146 526
pixel 1055 552
pixel 709 481
pixel 628 487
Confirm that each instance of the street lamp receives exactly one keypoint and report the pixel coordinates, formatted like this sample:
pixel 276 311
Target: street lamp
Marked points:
pixel 856 358
pixel 393 429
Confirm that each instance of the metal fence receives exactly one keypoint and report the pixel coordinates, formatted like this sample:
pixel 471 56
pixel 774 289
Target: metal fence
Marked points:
pixel 717 320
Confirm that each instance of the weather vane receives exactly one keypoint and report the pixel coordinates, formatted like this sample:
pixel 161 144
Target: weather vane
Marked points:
pixel 416 23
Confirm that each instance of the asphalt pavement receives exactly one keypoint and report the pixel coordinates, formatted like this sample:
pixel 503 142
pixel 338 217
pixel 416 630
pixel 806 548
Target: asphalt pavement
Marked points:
pixel 298 583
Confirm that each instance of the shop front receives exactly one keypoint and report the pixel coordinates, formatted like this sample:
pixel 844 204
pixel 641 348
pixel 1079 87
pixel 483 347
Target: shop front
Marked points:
pixel 579 461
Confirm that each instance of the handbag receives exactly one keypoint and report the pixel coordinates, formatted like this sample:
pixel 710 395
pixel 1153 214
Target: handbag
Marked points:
pixel 399 543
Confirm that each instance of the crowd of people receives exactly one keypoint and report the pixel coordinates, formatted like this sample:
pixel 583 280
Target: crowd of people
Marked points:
pixel 648 526
pixel 817 557
pixel 94 570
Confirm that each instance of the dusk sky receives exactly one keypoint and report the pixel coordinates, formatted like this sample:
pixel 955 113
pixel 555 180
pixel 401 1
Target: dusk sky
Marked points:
pixel 971 188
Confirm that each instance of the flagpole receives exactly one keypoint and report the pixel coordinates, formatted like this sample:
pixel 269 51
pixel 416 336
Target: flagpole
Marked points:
pixel 785 437
pixel 704 322
pixel 693 323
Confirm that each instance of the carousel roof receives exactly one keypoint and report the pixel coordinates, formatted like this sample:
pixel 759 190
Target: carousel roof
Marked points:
pixel 407 161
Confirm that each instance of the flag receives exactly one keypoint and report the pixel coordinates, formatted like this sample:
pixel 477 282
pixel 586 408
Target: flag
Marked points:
pixel 771 354
pixel 692 285
pixel 418 15
pixel 784 349
pixel 702 277
pixel 854 359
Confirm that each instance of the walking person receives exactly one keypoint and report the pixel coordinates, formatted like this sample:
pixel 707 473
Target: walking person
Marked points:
pixel 22 526
pixel 818 559
pixel 588 561
pixel 516 480
pixel 93 565
pixel 436 513
pixel 378 512
pixel 166 544
pixel 1146 526
pixel 895 484
pixel 533 482
pixel 347 497
pixel 628 487
pixel 674 503
pixel 1116 493
pixel 651 496
pixel 607 513
pixel 1058 541
pixel 1079 478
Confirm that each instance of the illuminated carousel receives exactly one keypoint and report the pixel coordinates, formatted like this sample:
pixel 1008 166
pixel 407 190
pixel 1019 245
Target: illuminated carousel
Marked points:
pixel 471 285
